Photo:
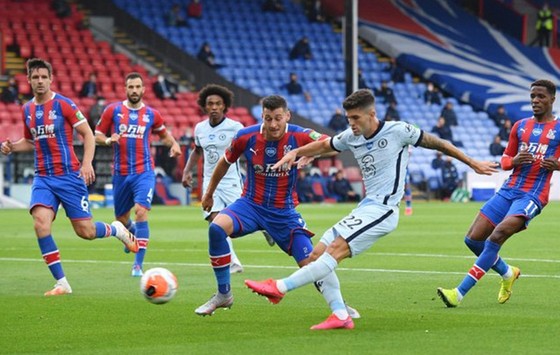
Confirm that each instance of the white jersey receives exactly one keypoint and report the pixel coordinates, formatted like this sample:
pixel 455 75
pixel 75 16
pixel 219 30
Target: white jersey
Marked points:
pixel 383 158
pixel 214 141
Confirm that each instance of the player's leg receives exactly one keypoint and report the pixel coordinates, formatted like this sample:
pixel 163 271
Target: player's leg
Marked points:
pixel 222 199
pixel 42 221
pixel 408 196
pixel 518 215
pixel 44 206
pixel 142 187
pixel 354 234
pixel 328 286
pixel 235 218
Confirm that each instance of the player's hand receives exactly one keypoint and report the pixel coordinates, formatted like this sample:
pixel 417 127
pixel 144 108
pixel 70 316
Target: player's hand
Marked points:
pixel 485 167
pixel 87 173
pixel 523 157
pixel 304 161
pixel 6 147
pixel 187 179
pixel 115 138
pixel 175 151
pixel 286 162
pixel 207 202
pixel 550 164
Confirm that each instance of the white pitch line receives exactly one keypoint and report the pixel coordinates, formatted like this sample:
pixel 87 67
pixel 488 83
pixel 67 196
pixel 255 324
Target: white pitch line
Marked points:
pixel 278 251
pixel 207 265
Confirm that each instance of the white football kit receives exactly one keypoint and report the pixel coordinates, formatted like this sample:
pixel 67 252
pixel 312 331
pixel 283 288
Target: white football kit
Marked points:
pixel 214 141
pixel 383 159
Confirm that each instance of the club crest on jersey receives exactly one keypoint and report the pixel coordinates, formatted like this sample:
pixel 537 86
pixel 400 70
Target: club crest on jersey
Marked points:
pixel 52 115
pixel 551 134
pixel 287 148
pixel 367 166
pixel 145 118
pixel 270 151
pixel 133 116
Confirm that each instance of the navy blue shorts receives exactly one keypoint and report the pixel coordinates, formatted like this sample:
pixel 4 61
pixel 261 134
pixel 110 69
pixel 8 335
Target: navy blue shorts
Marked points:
pixel 510 203
pixel 286 226
pixel 69 190
pixel 131 189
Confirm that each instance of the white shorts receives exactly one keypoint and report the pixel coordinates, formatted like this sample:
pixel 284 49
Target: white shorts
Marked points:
pixel 223 197
pixel 364 226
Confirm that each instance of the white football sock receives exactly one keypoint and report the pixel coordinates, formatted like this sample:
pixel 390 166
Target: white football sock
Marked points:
pixel 312 272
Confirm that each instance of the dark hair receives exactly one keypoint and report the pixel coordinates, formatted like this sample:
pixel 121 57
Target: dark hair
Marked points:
pixel 133 75
pixel 549 85
pixel 361 99
pixel 213 89
pixel 274 102
pixel 38 63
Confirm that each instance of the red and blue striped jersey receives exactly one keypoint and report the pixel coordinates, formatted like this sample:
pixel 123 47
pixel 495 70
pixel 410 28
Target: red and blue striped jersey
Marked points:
pixel 542 140
pixel 50 126
pixel 132 154
pixel 262 185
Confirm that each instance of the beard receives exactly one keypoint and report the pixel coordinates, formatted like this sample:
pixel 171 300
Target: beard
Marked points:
pixel 134 99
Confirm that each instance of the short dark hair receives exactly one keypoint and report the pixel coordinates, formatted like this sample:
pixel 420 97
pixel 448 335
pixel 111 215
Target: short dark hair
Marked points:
pixel 133 75
pixel 274 102
pixel 38 63
pixel 213 89
pixel 549 85
pixel 362 99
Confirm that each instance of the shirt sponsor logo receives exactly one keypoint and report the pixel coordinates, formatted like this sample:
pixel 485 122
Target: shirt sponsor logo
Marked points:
pixel 270 151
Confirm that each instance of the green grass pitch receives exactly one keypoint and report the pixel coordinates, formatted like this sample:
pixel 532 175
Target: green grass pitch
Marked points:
pixel 393 285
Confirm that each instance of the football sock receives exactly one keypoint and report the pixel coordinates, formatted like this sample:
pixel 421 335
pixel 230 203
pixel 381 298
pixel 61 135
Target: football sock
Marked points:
pixel 484 262
pixel 131 226
pixel 477 246
pixel 51 256
pixel 103 230
pixel 234 258
pixel 143 237
pixel 312 272
pixel 220 256
pixel 330 288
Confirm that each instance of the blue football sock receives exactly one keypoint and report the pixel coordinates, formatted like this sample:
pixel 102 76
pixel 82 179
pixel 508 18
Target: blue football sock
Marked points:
pixel 143 236
pixel 476 246
pixel 103 230
pixel 220 256
pixel 312 272
pixel 484 262
pixel 51 255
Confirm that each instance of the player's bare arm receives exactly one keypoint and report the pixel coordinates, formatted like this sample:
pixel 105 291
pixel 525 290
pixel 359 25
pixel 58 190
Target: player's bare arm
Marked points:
pixel 86 171
pixel 102 139
pixel 480 167
pixel 174 148
pixel 191 162
pixel 309 150
pixel 550 164
pixel 21 145
pixel 221 169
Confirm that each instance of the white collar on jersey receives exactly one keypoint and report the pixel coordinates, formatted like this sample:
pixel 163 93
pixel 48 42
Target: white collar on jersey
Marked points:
pixel 125 103
pixel 52 97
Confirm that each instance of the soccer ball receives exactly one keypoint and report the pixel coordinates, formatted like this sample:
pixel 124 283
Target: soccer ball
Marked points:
pixel 158 285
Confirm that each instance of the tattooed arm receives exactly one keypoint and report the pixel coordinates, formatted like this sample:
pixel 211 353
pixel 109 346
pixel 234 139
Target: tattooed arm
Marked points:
pixel 432 142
